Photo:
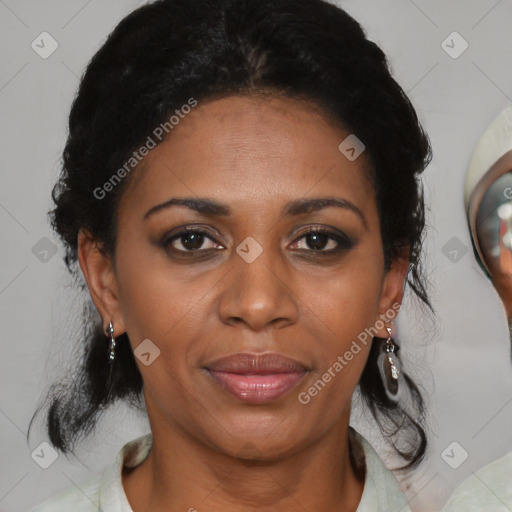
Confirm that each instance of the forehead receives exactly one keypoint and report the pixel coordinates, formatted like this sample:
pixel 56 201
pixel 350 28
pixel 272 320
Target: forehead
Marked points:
pixel 251 149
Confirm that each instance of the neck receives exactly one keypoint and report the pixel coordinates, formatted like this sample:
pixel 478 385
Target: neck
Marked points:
pixel 183 473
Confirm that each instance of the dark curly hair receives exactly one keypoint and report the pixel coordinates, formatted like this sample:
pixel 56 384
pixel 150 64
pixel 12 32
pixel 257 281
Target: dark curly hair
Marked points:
pixel 154 61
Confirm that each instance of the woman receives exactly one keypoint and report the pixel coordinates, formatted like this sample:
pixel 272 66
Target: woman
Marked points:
pixel 240 189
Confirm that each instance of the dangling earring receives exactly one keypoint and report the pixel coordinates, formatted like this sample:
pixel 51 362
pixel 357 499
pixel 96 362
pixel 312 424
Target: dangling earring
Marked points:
pixel 389 368
pixel 111 353
pixel 112 348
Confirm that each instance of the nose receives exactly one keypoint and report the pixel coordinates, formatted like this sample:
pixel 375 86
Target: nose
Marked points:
pixel 259 294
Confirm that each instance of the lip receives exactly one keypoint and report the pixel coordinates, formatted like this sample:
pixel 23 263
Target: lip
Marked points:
pixel 257 378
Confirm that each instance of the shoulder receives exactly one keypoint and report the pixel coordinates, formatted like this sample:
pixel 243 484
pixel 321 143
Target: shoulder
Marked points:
pixel 381 491
pixel 488 490
pixel 105 491
pixel 83 499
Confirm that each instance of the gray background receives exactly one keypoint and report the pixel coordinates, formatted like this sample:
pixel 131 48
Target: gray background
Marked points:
pixel 461 358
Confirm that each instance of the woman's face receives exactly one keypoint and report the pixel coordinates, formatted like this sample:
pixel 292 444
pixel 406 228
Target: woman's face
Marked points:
pixel 252 280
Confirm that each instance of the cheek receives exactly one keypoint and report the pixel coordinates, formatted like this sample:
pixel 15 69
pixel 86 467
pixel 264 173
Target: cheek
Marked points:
pixel 346 300
pixel 349 310
pixel 153 294
pixel 174 310
pixel 343 306
pixel 167 306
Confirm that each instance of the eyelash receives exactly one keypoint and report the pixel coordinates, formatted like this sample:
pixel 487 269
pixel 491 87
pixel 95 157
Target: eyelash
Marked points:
pixel 344 243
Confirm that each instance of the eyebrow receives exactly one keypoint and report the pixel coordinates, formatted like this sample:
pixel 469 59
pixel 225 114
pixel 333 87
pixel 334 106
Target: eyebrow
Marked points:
pixel 210 207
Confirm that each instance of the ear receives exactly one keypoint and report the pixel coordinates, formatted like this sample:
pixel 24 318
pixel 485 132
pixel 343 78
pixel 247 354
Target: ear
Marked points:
pixel 101 279
pixel 393 290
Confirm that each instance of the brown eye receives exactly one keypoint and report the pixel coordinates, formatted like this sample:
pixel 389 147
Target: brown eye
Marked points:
pixel 192 241
pixel 322 241
pixel 318 241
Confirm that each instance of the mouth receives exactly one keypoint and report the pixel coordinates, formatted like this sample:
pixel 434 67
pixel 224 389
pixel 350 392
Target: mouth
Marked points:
pixel 256 378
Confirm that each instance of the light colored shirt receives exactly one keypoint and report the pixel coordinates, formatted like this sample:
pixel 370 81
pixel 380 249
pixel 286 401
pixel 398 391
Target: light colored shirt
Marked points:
pixel 488 490
pixel 105 492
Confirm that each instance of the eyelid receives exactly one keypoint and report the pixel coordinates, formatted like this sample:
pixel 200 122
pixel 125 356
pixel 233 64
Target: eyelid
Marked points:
pixel 342 239
pixel 321 229
pixel 180 230
pixel 170 236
